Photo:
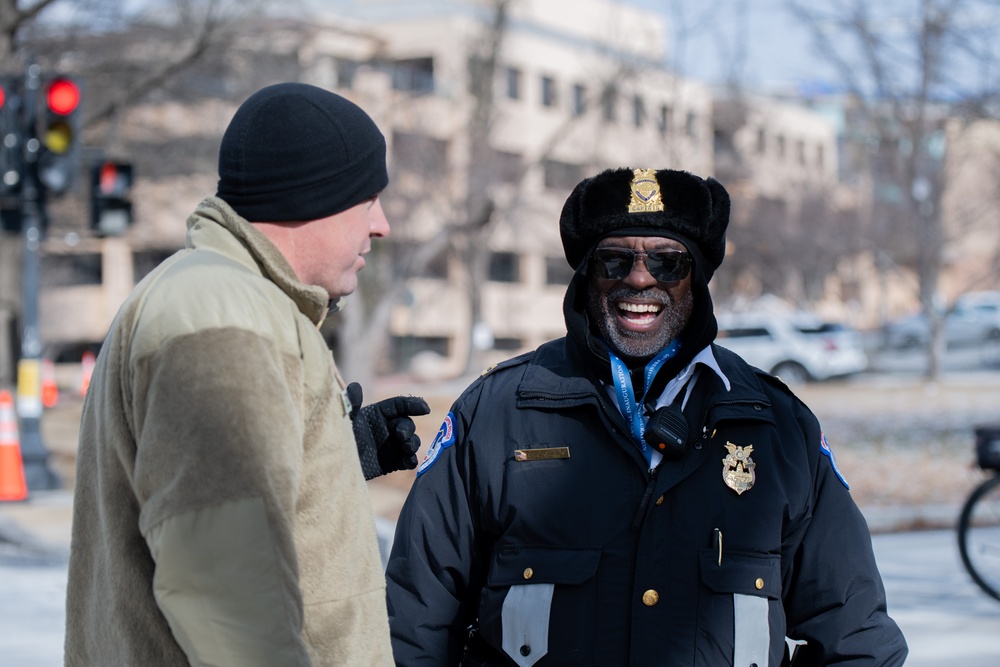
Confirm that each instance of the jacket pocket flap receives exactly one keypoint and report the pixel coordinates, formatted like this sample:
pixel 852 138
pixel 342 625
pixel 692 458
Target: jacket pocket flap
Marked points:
pixel 762 413
pixel 543 565
pixel 741 572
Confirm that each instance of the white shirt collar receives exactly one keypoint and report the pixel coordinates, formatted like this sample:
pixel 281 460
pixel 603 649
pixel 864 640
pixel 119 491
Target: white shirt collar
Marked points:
pixel 676 384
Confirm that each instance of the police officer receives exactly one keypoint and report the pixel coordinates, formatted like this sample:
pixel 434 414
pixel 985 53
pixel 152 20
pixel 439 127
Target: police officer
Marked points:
pixel 633 494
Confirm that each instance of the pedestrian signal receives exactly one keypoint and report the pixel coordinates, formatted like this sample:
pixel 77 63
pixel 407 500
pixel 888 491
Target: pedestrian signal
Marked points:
pixel 110 200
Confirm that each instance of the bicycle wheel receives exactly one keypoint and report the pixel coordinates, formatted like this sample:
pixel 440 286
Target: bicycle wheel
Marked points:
pixel 979 536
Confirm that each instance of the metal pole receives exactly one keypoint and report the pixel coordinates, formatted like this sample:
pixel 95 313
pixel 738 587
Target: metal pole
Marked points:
pixel 37 473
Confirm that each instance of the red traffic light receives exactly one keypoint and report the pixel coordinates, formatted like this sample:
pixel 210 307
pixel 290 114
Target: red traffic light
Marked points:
pixel 63 96
pixel 3 96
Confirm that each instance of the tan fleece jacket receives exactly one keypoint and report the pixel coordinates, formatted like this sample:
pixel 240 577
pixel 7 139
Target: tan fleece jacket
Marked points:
pixel 220 512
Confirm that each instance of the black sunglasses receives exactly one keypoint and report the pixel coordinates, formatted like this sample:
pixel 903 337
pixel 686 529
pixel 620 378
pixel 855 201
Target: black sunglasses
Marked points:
pixel 666 266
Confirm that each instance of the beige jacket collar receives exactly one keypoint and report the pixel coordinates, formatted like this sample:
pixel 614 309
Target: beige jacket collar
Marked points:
pixel 214 225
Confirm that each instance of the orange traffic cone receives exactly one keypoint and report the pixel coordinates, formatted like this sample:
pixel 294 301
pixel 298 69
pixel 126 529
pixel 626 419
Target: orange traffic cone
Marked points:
pixel 12 483
pixel 50 388
pixel 86 370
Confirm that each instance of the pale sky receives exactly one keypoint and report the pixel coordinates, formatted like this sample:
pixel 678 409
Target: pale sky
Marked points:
pixel 771 47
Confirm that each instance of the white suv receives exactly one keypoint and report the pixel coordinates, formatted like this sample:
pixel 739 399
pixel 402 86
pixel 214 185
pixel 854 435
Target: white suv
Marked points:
pixel 795 347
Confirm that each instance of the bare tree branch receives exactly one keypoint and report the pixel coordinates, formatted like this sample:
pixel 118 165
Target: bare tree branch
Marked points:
pixel 12 19
pixel 904 77
pixel 153 80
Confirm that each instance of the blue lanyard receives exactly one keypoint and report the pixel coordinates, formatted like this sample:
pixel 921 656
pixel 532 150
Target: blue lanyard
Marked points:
pixel 630 408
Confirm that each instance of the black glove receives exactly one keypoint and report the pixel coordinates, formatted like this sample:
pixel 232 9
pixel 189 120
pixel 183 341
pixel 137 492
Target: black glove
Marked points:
pixel 385 434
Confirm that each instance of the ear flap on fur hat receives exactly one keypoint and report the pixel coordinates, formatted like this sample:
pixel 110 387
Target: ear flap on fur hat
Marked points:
pixel 695 210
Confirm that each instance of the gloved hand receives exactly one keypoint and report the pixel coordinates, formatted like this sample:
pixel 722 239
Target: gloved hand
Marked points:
pixel 385 433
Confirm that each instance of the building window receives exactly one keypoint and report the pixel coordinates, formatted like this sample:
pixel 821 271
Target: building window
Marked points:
pixel 820 156
pixel 663 120
pixel 549 98
pixel 557 271
pixel 579 99
pixel 561 175
pixel 507 344
pixel 638 111
pixel 781 146
pixel 414 75
pixel 723 143
pixel 608 98
pixel 761 141
pixel 346 71
pixel 504 166
pixel 505 267
pixel 419 153
pixel 71 270
pixel 513 77
pixel 800 152
pixel 691 125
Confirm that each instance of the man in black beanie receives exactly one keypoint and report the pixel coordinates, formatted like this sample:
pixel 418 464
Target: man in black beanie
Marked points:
pixel 633 494
pixel 220 512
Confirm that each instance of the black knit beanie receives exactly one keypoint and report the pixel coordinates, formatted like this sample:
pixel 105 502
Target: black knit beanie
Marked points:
pixel 644 202
pixel 294 152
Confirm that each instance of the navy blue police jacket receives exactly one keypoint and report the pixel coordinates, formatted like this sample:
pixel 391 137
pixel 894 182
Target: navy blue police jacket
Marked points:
pixel 535 522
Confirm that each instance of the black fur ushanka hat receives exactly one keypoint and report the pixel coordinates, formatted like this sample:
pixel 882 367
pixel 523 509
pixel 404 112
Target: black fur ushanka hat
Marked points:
pixel 644 202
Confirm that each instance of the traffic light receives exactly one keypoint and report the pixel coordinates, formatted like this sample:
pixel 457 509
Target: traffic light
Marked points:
pixel 11 140
pixel 110 202
pixel 58 129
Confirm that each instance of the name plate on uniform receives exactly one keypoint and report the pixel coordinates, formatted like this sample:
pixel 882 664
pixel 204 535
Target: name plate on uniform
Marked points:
pixel 541 454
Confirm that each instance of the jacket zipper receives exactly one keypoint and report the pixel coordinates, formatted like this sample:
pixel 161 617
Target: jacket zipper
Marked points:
pixel 637 521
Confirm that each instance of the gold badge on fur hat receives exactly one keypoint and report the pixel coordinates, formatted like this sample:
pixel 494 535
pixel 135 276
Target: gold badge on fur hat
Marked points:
pixel 645 192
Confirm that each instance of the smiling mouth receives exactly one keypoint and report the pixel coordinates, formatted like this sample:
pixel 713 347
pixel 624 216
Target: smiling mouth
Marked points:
pixel 639 314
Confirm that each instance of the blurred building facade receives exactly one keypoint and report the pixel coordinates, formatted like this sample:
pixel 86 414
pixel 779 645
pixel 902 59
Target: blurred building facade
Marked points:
pixel 577 86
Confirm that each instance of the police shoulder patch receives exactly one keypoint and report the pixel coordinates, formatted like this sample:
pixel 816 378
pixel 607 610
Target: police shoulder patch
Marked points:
pixel 444 439
pixel 824 448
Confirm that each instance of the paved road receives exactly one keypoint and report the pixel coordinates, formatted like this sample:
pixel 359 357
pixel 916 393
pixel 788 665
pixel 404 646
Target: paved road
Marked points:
pixel 948 622
pixel 32 618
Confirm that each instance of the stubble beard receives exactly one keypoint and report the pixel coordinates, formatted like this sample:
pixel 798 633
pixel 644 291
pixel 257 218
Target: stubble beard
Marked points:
pixel 635 345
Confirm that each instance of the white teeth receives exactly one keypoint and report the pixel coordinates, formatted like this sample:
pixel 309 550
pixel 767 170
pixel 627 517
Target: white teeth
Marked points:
pixel 640 307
